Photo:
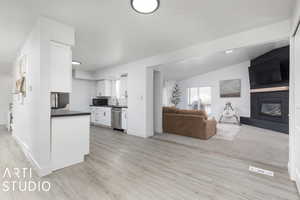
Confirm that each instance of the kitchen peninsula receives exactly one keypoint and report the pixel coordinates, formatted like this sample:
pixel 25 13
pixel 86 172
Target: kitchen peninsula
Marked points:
pixel 70 133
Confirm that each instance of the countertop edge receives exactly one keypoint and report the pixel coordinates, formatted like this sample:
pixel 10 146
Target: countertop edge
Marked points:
pixel 109 106
pixel 71 114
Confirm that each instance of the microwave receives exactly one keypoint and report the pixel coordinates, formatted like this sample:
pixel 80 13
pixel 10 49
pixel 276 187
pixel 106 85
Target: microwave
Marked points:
pixel 59 100
pixel 100 102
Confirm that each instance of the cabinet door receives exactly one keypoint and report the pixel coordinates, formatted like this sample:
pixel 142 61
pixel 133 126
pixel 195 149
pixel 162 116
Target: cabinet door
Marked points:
pixel 124 119
pixel 60 68
pixel 107 88
pixel 104 88
pixel 107 116
pixel 102 115
pixel 70 140
pixel 99 116
pixel 93 115
pixel 100 88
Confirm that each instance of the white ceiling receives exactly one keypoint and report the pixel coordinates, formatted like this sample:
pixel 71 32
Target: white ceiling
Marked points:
pixel 109 32
pixel 200 65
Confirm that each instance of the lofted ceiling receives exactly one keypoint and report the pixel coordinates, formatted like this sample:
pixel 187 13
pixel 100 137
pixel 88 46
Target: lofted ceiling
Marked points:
pixel 109 32
pixel 200 65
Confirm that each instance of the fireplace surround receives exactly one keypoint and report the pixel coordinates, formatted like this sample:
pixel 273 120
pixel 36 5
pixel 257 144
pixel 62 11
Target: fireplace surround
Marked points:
pixel 269 80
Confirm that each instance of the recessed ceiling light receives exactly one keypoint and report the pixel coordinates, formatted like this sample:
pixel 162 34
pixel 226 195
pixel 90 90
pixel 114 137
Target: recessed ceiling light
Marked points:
pixel 145 6
pixel 229 51
pixel 74 62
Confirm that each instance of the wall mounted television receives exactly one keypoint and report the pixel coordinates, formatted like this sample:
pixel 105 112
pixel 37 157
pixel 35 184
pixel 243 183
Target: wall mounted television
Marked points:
pixel 268 74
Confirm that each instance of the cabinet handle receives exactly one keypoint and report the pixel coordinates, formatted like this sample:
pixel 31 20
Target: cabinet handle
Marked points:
pixel 104 114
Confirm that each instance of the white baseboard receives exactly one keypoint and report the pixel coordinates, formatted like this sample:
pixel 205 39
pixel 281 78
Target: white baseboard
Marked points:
pixel 291 172
pixel 136 133
pixel 149 133
pixel 298 180
pixel 39 170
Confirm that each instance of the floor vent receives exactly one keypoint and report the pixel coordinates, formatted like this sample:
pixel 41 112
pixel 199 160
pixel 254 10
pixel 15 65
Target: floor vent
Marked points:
pixel 261 171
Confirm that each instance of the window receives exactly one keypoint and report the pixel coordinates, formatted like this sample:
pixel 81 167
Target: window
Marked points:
pixel 193 95
pixel 200 98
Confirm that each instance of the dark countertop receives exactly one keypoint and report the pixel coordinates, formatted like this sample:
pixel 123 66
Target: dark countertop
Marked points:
pixel 67 113
pixel 110 106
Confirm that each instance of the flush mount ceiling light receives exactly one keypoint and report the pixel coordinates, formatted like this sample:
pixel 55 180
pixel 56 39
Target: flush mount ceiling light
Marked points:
pixel 229 51
pixel 145 6
pixel 74 62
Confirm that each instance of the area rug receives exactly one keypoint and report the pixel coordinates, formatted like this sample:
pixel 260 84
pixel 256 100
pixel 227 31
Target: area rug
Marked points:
pixel 227 131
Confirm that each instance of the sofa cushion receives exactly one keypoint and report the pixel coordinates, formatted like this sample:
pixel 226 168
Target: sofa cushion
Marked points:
pixel 169 109
pixel 193 112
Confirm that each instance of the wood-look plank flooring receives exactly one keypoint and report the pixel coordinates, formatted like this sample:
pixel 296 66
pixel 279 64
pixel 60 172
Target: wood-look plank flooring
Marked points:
pixel 251 144
pixel 127 167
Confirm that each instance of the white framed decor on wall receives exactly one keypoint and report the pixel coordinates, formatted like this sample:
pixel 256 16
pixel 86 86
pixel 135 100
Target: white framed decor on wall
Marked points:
pixel 230 88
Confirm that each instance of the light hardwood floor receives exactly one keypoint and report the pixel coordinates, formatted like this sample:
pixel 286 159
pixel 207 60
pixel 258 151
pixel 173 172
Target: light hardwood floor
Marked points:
pixel 251 144
pixel 128 167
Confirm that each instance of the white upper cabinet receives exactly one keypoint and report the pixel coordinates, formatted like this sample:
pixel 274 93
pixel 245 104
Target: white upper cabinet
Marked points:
pixel 100 88
pixel 104 88
pixel 61 68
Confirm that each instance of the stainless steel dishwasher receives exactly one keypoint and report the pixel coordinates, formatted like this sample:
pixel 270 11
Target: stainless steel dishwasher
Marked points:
pixel 116 118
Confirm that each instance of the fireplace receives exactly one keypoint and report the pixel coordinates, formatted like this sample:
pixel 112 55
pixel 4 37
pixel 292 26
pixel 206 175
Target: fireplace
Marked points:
pixel 270 106
pixel 271 109
pixel 269 82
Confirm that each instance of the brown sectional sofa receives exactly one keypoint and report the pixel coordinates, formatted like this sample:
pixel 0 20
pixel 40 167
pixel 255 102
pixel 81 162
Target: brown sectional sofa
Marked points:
pixel 192 123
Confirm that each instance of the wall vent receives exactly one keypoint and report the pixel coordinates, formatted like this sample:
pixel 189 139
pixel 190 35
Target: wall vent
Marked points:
pixel 261 171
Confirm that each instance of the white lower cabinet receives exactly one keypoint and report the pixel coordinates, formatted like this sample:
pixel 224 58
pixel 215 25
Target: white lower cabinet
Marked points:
pixel 124 118
pixel 101 116
pixel 70 140
pixel 93 114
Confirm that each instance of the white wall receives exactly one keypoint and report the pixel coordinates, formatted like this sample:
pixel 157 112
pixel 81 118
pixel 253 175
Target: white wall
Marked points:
pixel 31 126
pixel 82 92
pixel 6 96
pixel 149 106
pixel 158 99
pixel 137 79
pixel 26 116
pixel 84 75
pixel 212 79
pixel 294 139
